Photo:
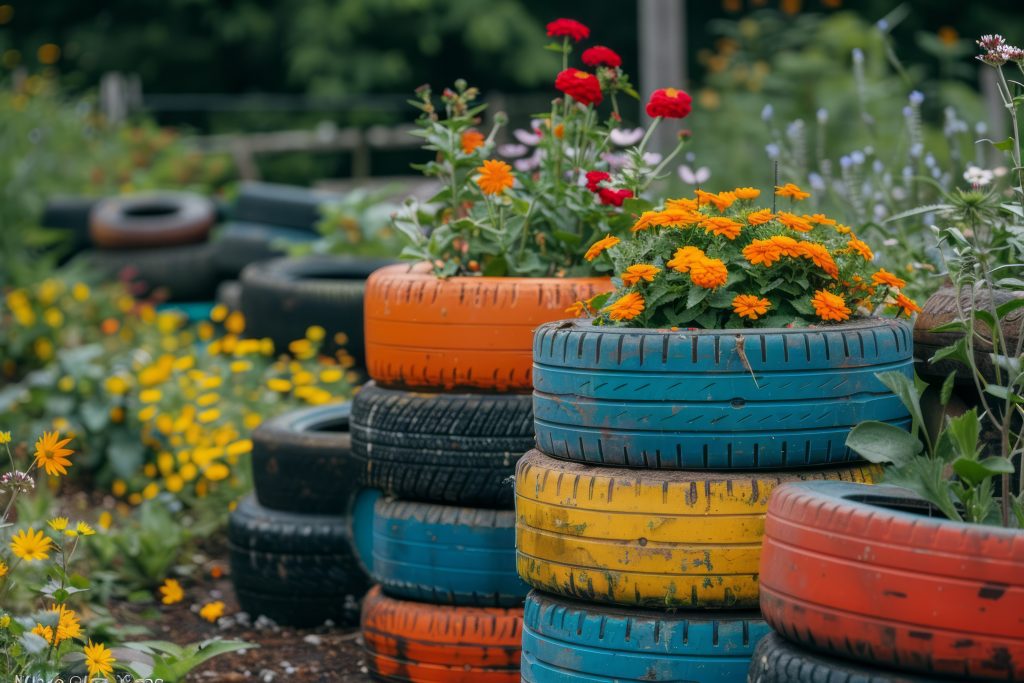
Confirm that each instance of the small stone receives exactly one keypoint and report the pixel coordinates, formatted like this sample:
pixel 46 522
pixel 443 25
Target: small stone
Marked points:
pixel 313 639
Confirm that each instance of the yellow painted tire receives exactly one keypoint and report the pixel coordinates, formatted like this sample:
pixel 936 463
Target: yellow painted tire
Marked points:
pixel 649 538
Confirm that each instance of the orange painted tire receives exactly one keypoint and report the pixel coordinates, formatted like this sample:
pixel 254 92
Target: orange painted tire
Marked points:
pixel 865 573
pixel 414 642
pixel 465 332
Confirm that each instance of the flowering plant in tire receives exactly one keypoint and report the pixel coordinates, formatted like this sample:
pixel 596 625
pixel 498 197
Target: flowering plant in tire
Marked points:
pixel 718 260
pixel 535 211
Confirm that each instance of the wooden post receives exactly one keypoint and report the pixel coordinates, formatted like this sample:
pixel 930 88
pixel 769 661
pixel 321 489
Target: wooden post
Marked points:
pixel 113 96
pixel 662 58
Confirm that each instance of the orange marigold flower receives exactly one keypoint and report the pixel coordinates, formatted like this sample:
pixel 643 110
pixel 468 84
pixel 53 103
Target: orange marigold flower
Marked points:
pixel 747 193
pixel 793 222
pixel 704 197
pixel 791 190
pixel 684 258
pixel 646 220
pixel 760 217
pixel 787 245
pixel 830 306
pixel 861 248
pixel 709 273
pixel 495 177
pixel 908 305
pixel 762 252
pixel 681 204
pixel 720 225
pixel 819 218
pixel 578 309
pixel 884 277
pixel 51 454
pixel 722 200
pixel 597 247
pixel 676 219
pixel 842 229
pixel 819 255
pixel 559 131
pixel 635 274
pixel 626 307
pixel 750 306
pixel 471 139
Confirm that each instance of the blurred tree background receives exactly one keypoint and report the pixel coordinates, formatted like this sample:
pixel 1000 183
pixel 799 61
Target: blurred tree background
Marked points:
pixel 352 62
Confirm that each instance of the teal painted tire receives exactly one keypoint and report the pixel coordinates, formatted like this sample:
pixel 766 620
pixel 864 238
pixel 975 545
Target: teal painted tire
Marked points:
pixel 713 399
pixel 446 555
pixel 565 641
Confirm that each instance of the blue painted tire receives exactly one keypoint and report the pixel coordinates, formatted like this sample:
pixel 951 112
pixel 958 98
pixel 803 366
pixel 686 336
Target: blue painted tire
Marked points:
pixel 713 399
pixel 446 555
pixel 565 641
pixel 193 311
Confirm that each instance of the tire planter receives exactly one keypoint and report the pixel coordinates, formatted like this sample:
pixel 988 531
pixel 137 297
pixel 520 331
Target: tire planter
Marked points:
pixel 229 293
pixel 566 641
pixel 446 448
pixel 70 214
pixel 302 461
pixel 295 569
pixel 648 538
pixel 411 642
pixel 236 245
pixel 941 308
pixel 183 273
pixel 776 660
pixel 157 219
pixel 286 206
pixel 283 297
pixel 446 555
pixel 192 311
pixel 713 399
pixel 918 593
pixel 462 332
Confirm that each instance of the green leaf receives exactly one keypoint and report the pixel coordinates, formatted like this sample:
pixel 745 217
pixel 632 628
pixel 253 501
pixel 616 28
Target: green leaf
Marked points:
pixel 927 478
pixel 964 431
pixel 951 326
pixel 496 267
pixel 956 351
pixel 974 472
pixel 696 295
pixel 567 237
pixel 947 388
pixel 598 302
pixel 909 392
pixel 880 442
pixel 1008 306
pixel 929 208
pixel 1004 145
pixel 1004 393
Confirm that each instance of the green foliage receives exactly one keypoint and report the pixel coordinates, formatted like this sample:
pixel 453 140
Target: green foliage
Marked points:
pixel 172 663
pixel 358 224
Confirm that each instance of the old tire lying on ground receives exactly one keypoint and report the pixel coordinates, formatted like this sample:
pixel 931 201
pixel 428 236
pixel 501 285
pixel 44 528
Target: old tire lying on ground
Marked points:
pixel 286 206
pixel 70 214
pixel 411 642
pixel 446 555
pixel 918 593
pixel 776 660
pixel 283 297
pixel 229 293
pixel 156 219
pixel 718 399
pixel 461 332
pixel 302 461
pixel 441 447
pixel 565 640
pixel 648 538
pixel 184 273
pixel 279 556
pixel 236 245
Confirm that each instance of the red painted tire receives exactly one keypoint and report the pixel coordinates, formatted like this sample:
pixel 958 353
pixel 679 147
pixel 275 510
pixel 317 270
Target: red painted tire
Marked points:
pixel 413 642
pixel 865 573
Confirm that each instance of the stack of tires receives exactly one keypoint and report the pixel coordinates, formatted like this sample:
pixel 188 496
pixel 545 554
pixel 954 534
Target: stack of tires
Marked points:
pixel 155 241
pixel 874 585
pixel 640 519
pixel 293 542
pixel 439 430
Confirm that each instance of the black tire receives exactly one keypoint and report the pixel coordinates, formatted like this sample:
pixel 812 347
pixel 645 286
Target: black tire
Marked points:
pixel 302 461
pixel 776 660
pixel 283 297
pixel 300 611
pixel 282 555
pixel 456 448
pixel 229 293
pixel 185 273
pixel 70 214
pixel 287 206
pixel 236 244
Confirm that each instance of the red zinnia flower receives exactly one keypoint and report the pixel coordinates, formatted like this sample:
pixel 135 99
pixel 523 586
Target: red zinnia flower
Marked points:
pixel 582 86
pixel 594 178
pixel 669 103
pixel 614 197
pixel 568 27
pixel 599 55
